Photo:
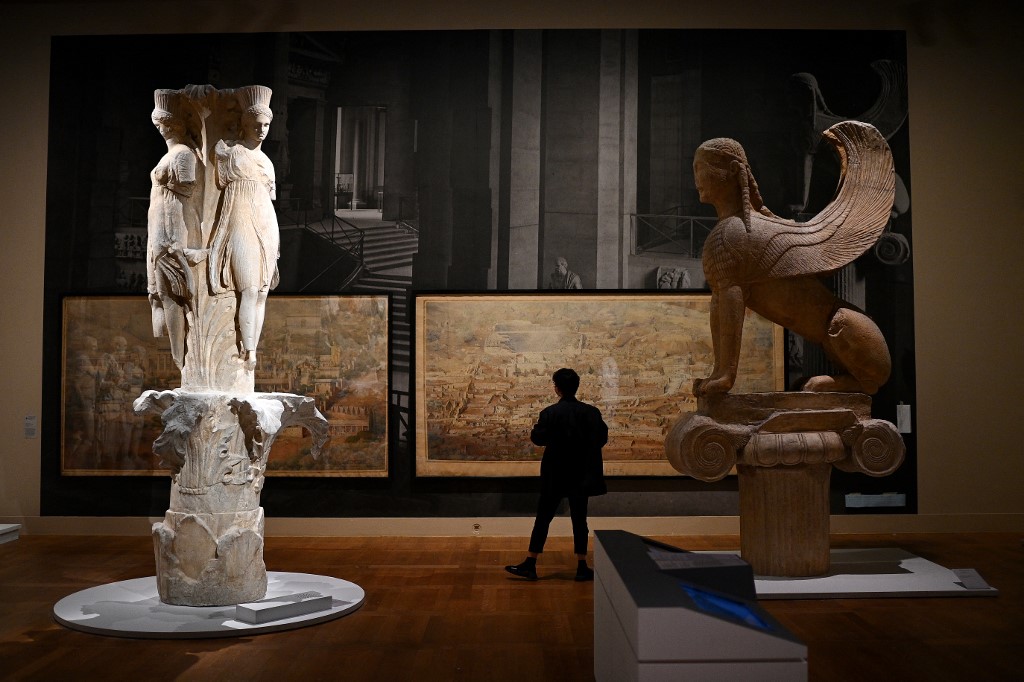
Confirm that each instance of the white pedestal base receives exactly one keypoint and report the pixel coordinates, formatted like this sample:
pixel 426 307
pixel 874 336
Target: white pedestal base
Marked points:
pixel 132 608
pixel 9 532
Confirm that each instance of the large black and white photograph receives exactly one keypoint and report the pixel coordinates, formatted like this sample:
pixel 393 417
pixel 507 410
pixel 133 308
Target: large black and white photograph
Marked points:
pixel 487 160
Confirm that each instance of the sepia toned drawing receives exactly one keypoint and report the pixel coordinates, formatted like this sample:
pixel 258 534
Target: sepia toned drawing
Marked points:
pixel 333 349
pixel 484 363
pixel 330 348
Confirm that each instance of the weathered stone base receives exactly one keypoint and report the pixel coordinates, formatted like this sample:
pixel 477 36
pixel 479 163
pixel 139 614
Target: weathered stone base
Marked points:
pixel 209 547
pixel 784 521
pixel 210 559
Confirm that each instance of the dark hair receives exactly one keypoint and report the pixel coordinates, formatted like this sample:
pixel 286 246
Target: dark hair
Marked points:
pixel 566 381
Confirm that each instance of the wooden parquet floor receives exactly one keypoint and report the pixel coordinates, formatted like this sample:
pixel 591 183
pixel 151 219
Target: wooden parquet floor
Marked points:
pixel 443 609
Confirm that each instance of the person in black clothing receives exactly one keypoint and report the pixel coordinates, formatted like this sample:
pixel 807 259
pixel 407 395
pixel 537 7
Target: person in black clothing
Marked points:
pixel 572 433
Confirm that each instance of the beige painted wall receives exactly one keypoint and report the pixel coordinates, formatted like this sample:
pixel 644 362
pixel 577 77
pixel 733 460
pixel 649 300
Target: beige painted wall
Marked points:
pixel 965 95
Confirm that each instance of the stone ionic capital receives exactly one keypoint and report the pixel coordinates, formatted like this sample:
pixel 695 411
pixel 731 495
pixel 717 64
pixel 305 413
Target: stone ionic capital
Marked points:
pixel 701 447
pixel 876 448
pixel 782 449
pixel 783 429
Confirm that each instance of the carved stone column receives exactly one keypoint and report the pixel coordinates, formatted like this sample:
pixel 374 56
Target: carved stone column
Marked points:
pixel 783 446
pixel 209 547
pixel 208 292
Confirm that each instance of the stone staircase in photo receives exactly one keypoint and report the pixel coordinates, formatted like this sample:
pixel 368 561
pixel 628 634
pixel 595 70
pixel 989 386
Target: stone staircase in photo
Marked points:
pixel 398 287
pixel 388 252
pixel 388 249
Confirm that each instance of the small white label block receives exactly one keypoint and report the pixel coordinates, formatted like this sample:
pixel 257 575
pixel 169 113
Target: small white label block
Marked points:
pixel 281 607
pixel 31 426
pixel 903 418
pixel 9 532
pixel 859 500
pixel 970 578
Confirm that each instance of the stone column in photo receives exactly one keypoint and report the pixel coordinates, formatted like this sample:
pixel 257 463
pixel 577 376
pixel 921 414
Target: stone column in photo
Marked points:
pixel 518 157
pixel 211 260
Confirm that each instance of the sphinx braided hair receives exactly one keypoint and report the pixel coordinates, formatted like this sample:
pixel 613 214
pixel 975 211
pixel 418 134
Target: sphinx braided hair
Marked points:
pixel 731 152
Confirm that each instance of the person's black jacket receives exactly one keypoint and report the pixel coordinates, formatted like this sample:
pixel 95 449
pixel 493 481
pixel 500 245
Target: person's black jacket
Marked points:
pixel 572 433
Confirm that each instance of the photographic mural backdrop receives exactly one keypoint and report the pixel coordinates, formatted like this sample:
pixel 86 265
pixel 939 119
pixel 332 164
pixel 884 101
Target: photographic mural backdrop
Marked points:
pixel 471 162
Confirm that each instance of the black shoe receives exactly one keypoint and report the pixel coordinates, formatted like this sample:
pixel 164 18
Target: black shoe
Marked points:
pixel 523 570
pixel 584 573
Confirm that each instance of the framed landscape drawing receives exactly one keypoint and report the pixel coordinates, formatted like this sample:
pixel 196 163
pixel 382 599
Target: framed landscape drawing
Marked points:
pixel 332 348
pixel 484 365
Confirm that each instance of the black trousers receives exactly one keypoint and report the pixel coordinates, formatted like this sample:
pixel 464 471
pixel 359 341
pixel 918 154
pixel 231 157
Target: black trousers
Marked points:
pixel 547 506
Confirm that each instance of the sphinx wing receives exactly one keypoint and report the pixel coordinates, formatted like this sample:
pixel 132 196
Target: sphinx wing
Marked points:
pixel 851 223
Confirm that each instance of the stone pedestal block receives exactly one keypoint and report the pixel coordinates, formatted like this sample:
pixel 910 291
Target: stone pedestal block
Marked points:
pixel 211 260
pixel 784 520
pixel 210 559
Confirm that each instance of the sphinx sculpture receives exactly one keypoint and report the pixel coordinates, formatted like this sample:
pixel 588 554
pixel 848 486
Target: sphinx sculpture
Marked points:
pixel 213 248
pixel 784 444
pixel 754 259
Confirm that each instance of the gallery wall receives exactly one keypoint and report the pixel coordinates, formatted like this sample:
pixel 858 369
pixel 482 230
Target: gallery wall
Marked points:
pixel 965 205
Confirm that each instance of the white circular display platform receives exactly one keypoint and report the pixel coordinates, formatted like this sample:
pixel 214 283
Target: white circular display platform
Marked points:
pixel 132 608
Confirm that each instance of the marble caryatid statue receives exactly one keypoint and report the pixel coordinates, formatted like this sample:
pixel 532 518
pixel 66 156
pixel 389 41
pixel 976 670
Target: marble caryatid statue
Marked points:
pixel 213 249
pixel 755 259
pixel 212 201
pixel 244 252
pixel 175 233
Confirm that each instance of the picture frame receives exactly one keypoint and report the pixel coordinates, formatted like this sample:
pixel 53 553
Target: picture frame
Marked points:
pixel 483 365
pixel 332 348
